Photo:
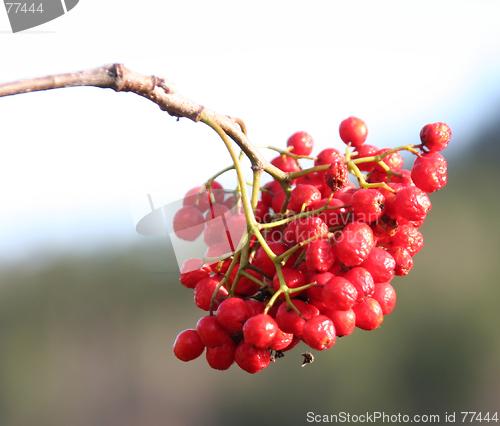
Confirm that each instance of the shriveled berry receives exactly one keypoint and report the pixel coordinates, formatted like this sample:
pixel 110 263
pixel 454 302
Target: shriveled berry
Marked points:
pixel 188 345
pixel 336 176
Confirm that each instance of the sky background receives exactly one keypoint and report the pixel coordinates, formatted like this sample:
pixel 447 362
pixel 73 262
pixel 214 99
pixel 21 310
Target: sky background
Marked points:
pixel 76 164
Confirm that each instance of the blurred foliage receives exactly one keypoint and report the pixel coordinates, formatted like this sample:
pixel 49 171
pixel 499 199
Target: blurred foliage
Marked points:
pixel 87 341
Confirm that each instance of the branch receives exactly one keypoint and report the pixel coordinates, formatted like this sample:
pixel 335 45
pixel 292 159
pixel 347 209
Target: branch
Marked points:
pixel 121 79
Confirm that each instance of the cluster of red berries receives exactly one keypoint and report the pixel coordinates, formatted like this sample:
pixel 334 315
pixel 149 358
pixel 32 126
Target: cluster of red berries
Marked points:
pixel 314 257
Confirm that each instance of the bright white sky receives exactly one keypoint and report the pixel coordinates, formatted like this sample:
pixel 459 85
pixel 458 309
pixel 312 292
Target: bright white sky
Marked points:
pixel 72 159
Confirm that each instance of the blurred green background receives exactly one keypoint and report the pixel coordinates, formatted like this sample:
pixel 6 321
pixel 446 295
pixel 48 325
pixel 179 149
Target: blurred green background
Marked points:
pixel 87 340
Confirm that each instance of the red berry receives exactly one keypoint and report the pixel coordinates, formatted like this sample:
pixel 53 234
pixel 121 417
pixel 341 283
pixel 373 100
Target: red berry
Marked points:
pixel 302 229
pixel 320 256
pixel 380 264
pixel 314 179
pixel 343 321
pixel 233 203
pixel 367 204
pixel 281 341
pixel 385 295
pixel 221 357
pixel 271 188
pixel 211 333
pixel 262 261
pixel 278 201
pixel 192 271
pixel 260 330
pixel 261 212
pixel 286 164
pixel 293 279
pixel 301 143
pixel 204 290
pixel 354 244
pixel 435 136
pixel 403 259
pixel 303 195
pixel 290 322
pixel 251 359
pixel 232 314
pixel 319 332
pixel 218 252
pixel 188 223
pixel 254 307
pixel 429 172
pixel 314 293
pixel 409 238
pixel 369 314
pixel 411 203
pixel 329 156
pixel 393 160
pixel 364 151
pixel 188 345
pixel 362 280
pixel 353 130
pixel 332 217
pixel 201 201
pixel 245 286
pixel 339 294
